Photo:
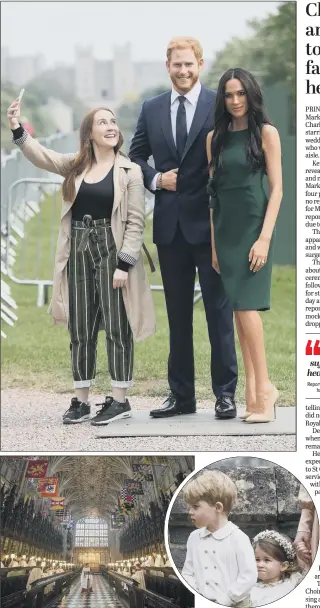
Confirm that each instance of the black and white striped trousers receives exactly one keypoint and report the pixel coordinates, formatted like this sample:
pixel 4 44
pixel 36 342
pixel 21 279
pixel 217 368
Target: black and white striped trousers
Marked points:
pixel 93 299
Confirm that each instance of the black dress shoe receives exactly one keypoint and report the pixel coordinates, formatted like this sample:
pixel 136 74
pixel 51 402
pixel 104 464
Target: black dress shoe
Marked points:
pixel 174 406
pixel 225 407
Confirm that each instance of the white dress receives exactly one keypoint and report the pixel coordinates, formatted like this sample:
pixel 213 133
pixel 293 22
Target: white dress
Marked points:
pixel 86 579
pixel 265 593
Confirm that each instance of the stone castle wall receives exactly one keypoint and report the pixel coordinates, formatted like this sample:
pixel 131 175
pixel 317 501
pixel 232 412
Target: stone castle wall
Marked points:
pixel 267 498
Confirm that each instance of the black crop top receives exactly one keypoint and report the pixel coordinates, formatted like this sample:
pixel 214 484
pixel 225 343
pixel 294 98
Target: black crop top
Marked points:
pixel 94 199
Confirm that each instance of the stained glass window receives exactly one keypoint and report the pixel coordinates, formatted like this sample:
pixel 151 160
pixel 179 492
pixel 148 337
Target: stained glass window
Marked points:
pixel 91 532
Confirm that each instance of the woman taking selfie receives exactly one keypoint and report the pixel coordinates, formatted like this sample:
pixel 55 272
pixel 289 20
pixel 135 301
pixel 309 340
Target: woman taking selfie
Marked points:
pixel 242 148
pixel 99 277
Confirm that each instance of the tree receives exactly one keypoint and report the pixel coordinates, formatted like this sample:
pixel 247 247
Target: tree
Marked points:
pixel 128 113
pixel 269 53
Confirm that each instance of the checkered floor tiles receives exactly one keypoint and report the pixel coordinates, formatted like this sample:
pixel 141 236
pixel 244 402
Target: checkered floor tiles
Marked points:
pixel 103 596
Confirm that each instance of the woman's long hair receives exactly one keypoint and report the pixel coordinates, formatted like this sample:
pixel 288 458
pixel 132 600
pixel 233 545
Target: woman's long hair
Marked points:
pixel 85 156
pixel 256 119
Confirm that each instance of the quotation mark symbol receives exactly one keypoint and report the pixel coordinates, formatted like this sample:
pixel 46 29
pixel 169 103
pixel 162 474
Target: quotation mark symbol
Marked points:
pixel 313 350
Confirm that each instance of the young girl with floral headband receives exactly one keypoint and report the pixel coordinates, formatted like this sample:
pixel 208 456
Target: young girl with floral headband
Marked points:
pixel 278 569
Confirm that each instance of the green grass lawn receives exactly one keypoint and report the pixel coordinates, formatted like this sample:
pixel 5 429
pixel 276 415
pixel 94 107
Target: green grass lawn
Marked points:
pixel 36 353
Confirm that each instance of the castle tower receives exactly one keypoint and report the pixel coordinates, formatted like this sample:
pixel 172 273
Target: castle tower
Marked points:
pixel 123 72
pixel 85 73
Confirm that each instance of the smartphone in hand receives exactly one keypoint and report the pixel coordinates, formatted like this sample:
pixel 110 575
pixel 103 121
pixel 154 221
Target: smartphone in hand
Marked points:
pixel 21 94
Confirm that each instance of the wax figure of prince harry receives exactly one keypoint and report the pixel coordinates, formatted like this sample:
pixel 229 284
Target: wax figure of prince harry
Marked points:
pixel 172 128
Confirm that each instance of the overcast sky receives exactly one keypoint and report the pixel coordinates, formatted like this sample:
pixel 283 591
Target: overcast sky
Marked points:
pixel 55 28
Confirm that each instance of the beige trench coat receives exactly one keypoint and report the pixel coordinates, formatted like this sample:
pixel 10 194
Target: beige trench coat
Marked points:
pixel 127 225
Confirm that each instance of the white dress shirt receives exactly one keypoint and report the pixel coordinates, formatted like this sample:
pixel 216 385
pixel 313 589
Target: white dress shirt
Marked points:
pixel 221 565
pixel 262 594
pixel 190 105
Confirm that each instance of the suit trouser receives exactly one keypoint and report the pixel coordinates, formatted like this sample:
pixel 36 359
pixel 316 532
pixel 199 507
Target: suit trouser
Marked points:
pixel 178 263
pixel 92 300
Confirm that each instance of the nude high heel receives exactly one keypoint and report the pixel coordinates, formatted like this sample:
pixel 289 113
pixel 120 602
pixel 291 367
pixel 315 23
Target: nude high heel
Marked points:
pixel 265 410
pixel 250 409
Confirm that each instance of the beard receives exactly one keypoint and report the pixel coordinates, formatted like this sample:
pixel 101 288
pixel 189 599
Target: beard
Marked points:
pixel 184 84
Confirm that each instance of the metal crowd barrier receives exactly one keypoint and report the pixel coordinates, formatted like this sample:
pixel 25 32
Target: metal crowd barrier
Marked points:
pixel 8 304
pixel 15 167
pixel 24 203
pixel 17 224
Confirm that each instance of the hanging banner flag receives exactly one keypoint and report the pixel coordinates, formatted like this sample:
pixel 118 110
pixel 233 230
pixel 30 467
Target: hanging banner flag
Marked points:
pixel 48 487
pixel 117 520
pixel 146 460
pixel 126 496
pixel 61 513
pixel 140 474
pixel 126 502
pixel 126 507
pixel 133 487
pixel 161 460
pixel 148 477
pixel 137 468
pixel 57 503
pixel 37 469
pixel 117 517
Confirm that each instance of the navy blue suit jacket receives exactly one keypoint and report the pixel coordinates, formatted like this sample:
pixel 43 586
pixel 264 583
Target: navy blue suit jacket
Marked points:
pixel 188 205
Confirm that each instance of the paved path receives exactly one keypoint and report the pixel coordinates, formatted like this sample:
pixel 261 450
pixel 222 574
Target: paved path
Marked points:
pixel 200 424
pixel 31 421
pixel 103 596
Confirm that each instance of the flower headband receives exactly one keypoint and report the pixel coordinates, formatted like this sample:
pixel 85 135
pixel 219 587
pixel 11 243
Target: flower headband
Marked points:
pixel 281 540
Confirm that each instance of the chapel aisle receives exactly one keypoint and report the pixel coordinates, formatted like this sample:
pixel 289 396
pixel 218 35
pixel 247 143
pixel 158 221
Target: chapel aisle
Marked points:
pixel 103 596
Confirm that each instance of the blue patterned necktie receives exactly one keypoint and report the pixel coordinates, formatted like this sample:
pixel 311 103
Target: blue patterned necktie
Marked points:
pixel 181 127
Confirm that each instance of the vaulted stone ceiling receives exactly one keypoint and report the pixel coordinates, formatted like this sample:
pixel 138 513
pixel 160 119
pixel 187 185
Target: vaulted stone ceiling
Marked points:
pixel 91 484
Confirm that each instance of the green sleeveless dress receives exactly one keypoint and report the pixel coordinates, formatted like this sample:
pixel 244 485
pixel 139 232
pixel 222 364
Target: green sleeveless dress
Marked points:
pixel 239 204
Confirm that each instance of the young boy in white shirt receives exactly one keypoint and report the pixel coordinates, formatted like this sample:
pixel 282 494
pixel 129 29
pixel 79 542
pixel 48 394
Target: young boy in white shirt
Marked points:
pixel 220 562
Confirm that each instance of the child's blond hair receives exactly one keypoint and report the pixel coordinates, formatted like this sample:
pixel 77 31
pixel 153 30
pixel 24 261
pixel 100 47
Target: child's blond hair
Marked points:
pixel 212 487
pixel 185 42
